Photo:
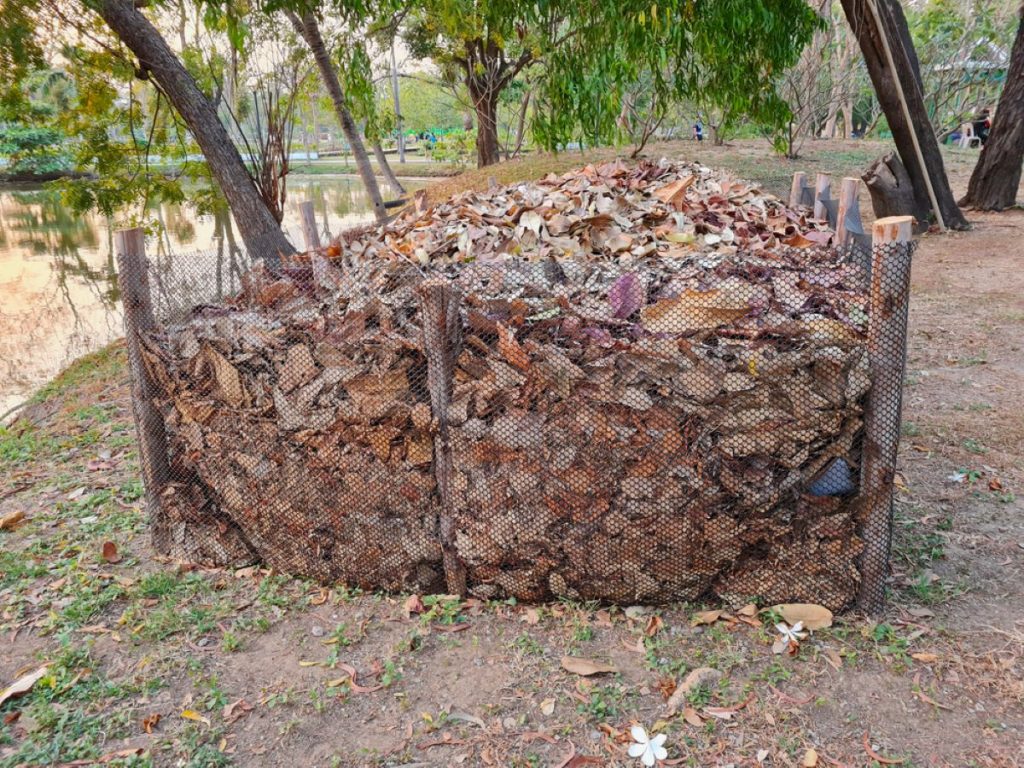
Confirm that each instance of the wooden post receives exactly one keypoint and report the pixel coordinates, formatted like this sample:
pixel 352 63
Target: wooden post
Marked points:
pixel 822 189
pixel 848 206
pixel 887 352
pixel 130 246
pixel 442 341
pixel 796 191
pixel 309 232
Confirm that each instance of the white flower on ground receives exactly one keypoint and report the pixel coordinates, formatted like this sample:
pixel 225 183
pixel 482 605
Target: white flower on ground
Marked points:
pixel 792 634
pixel 649 750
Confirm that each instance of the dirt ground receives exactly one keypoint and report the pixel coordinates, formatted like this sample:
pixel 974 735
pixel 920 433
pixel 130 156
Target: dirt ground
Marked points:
pixel 152 663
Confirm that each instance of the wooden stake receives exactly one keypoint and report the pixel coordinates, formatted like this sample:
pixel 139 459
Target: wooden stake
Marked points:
pixel 887 351
pixel 309 232
pixel 442 342
pixel 796 191
pixel 847 207
pixel 822 189
pixel 130 246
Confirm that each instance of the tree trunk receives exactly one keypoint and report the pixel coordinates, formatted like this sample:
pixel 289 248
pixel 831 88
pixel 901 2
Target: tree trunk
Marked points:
pixel 907 73
pixel 996 177
pixel 892 192
pixel 486 105
pixel 309 30
pixel 385 169
pixel 260 232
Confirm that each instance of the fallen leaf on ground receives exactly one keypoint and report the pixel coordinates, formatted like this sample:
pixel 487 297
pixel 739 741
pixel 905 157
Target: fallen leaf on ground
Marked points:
pixel 654 624
pixel 812 615
pixel 11 519
pixel 23 684
pixel 413 604
pixel 191 714
pixel 236 710
pixel 149 722
pixel 705 617
pixel 110 553
pixel 921 613
pixel 531 616
pixel 925 657
pixel 547 706
pixel 810 759
pixel 702 676
pixel 586 667
pixel 693 717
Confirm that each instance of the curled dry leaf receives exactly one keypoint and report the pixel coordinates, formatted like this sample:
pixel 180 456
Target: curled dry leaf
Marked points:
pixel 149 722
pixel 812 615
pixel 11 519
pixel 110 553
pixel 236 710
pixel 23 684
pixel 810 759
pixel 586 667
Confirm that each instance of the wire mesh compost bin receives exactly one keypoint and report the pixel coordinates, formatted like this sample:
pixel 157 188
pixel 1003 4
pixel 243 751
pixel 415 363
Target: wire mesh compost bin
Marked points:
pixel 648 383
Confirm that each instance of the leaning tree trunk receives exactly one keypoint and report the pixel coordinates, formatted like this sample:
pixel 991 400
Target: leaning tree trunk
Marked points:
pixel 996 177
pixel 907 73
pixel 309 30
pixel 260 231
pixel 385 169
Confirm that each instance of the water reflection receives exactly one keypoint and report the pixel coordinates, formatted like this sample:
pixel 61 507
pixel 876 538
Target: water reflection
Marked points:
pixel 58 286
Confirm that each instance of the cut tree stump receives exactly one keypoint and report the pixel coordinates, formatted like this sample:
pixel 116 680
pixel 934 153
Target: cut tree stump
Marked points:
pixel 892 193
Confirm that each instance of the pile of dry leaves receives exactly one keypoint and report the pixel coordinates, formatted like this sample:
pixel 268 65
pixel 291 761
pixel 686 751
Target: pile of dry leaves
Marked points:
pixel 657 366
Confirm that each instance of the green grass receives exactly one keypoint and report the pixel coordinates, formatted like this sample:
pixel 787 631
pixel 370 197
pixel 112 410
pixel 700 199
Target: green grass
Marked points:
pixel 105 366
pixel 409 170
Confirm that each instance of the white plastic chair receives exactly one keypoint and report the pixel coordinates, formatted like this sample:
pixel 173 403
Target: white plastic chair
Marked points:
pixel 967 136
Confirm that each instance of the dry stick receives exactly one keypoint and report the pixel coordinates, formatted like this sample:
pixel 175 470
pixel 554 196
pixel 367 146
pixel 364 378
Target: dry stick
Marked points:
pixel 133 279
pixel 822 189
pixel 847 203
pixel 887 352
pixel 442 341
pixel 796 191
pixel 309 232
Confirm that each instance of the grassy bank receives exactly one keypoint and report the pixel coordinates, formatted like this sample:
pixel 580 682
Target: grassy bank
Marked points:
pixel 408 170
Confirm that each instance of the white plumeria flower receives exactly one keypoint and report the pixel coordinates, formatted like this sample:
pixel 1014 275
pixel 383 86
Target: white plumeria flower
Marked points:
pixel 792 634
pixel 649 750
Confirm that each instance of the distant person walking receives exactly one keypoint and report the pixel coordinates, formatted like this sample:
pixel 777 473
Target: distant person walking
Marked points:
pixel 698 129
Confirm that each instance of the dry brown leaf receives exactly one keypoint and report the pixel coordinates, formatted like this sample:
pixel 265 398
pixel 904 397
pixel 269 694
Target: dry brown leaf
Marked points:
pixel 692 716
pixel 692 311
pixel 925 658
pixel 511 350
pixel 236 710
pixel 110 553
pixel 11 519
pixel 23 684
pixel 810 759
pixel 149 722
pixel 705 617
pixel 674 193
pixel 812 615
pixel 877 757
pixel 586 667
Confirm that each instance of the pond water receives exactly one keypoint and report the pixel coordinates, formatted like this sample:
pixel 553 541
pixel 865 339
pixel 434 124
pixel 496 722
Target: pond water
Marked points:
pixel 58 284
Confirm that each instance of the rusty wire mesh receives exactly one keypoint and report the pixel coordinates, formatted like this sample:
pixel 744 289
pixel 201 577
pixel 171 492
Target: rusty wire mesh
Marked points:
pixel 653 432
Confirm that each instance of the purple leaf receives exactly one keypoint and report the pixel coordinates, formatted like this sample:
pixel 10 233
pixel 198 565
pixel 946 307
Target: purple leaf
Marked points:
pixel 626 295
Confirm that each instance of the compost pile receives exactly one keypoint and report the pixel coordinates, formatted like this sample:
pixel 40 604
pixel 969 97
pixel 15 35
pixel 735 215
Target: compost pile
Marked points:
pixel 658 396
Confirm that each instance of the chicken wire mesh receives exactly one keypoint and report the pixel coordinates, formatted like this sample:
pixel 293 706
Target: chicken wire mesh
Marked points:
pixel 677 432
pixel 627 430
